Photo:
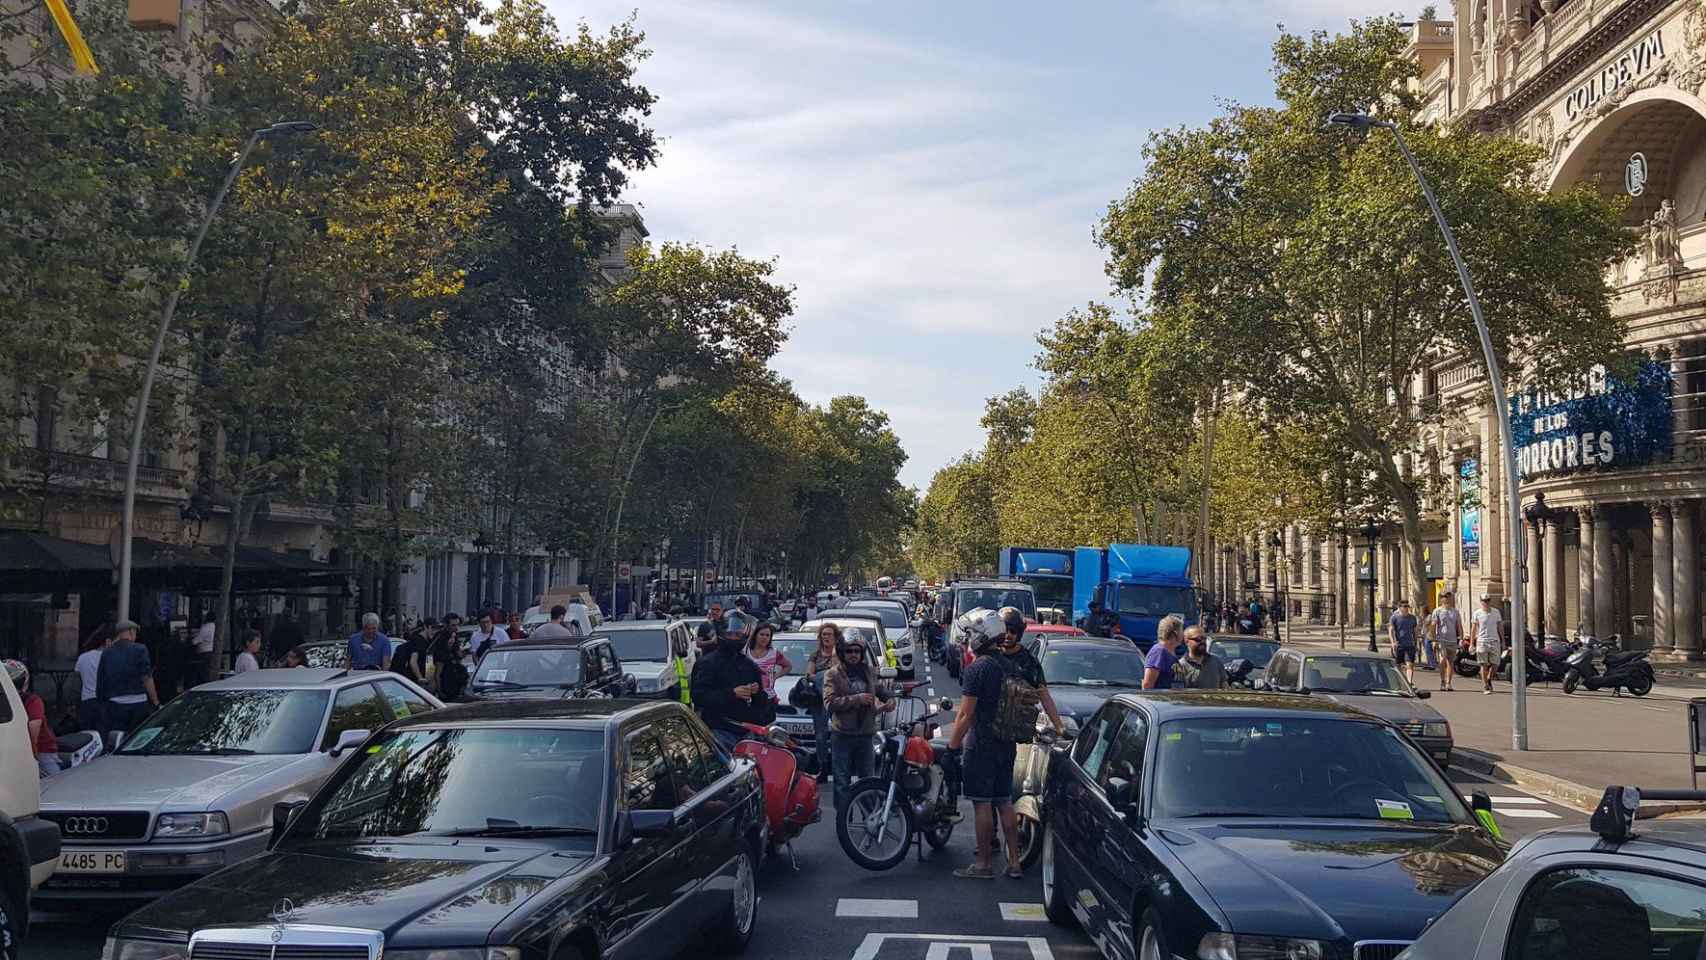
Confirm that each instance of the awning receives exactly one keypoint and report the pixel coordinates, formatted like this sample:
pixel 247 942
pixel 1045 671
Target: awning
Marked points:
pixel 38 563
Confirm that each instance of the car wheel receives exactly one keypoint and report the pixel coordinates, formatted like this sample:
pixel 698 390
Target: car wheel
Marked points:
pixel 743 905
pixel 1056 901
pixel 11 927
pixel 1151 944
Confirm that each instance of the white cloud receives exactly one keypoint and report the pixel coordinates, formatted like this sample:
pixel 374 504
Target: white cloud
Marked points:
pixel 1295 14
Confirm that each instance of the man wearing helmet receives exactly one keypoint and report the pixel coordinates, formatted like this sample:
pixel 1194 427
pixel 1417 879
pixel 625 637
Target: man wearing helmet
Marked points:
pixel 726 688
pixel 980 728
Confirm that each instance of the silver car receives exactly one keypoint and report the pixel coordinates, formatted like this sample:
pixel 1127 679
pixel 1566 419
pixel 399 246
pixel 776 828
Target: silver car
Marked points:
pixel 192 788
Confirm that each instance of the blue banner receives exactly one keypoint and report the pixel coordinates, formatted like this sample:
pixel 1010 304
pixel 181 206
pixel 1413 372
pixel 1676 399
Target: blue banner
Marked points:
pixel 1469 515
pixel 1608 424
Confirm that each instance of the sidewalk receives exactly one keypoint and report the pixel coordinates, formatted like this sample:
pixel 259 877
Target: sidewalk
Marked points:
pixel 1577 744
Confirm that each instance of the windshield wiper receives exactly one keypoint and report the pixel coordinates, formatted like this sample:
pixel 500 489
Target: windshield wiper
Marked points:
pixel 496 827
pixel 1372 691
pixel 499 683
pixel 1223 813
pixel 1090 682
pixel 220 752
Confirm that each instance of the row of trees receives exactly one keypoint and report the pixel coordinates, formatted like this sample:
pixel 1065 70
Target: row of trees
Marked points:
pixel 1288 293
pixel 413 319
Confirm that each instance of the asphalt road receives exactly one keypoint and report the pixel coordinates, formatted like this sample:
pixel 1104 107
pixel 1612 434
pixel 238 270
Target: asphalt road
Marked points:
pixel 832 909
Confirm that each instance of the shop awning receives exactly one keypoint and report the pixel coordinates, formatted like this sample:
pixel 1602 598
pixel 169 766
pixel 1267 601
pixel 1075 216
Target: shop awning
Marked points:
pixel 39 563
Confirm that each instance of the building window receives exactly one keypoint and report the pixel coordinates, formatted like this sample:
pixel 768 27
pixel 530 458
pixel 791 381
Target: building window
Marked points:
pixel 1688 394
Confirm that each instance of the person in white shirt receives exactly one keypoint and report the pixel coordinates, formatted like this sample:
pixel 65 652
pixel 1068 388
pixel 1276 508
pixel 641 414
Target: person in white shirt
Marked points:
pixel 579 619
pixel 88 669
pixel 486 636
pixel 1485 626
pixel 202 662
pixel 248 659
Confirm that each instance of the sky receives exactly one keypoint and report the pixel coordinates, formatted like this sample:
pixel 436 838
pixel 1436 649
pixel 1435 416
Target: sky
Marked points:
pixel 927 174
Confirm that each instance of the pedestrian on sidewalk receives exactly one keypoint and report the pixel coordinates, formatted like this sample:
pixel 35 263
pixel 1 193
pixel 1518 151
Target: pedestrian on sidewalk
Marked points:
pixel 1402 630
pixel 1486 627
pixel 1444 631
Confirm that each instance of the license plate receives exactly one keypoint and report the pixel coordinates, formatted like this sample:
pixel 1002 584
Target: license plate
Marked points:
pixel 91 861
pixel 796 726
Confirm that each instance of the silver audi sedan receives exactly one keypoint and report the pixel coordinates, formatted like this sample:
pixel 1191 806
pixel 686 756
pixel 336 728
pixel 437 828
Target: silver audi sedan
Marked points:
pixel 192 788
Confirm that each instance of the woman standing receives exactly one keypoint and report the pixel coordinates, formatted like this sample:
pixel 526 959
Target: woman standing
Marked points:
pixel 772 663
pixel 818 666
pixel 854 698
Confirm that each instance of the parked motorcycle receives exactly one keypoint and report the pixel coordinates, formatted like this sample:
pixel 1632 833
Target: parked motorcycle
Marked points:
pixel 1548 664
pixel 915 793
pixel 1030 776
pixel 1623 669
pixel 76 749
pixel 790 791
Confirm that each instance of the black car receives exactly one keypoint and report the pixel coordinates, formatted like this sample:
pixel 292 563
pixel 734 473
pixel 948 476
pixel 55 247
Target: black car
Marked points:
pixel 532 830
pixel 1367 681
pixel 1235 824
pixel 1619 889
pixel 1257 650
pixel 1084 671
pixel 532 669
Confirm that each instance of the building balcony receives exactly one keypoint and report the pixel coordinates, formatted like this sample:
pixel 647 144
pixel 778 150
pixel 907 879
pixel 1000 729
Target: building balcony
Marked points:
pixel 61 469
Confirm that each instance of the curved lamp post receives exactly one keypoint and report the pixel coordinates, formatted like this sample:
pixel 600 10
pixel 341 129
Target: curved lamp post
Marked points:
pixel 1513 500
pixel 181 281
pixel 1371 533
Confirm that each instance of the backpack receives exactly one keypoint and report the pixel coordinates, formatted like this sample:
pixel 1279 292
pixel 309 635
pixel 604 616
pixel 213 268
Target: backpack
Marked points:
pixel 806 695
pixel 1017 709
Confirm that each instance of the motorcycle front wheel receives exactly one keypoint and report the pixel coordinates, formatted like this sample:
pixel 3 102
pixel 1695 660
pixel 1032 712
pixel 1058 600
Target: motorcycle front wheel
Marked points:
pixel 1571 681
pixel 1030 841
pixel 869 839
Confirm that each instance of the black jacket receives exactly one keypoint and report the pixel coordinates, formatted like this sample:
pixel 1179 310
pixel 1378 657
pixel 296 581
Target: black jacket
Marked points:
pixel 715 677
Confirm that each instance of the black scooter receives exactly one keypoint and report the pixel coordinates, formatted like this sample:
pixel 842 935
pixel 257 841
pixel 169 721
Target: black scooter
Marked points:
pixel 1624 669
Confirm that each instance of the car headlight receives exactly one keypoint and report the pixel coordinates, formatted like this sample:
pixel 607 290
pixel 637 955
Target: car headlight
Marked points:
pixel 177 826
pixel 456 953
pixel 120 948
pixel 1436 728
pixel 648 684
pixel 1239 946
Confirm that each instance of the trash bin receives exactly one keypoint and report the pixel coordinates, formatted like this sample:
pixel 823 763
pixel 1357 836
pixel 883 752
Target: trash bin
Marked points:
pixel 1640 634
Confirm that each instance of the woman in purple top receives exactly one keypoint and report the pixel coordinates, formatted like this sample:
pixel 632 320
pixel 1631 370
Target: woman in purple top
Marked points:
pixel 1158 663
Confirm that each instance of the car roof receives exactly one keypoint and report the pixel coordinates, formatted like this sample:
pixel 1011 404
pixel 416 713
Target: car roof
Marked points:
pixel 847 613
pixel 1089 642
pixel 876 600
pixel 1247 638
pixel 567 643
pixel 1681 840
pixel 573 711
pixel 1058 630
pixel 1181 704
pixel 286 678
pixel 620 626
pixel 1343 655
pixel 795 635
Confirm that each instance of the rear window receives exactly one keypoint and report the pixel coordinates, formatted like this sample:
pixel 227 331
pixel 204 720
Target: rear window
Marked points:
pixel 892 615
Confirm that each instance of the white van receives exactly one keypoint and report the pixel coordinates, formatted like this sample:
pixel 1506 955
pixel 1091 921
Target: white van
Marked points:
pixel 29 845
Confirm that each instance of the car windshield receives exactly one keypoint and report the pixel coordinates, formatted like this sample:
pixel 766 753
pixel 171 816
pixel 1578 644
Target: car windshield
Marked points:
pixel 220 722
pixel 727 600
pixel 1052 591
pixel 439 782
pixel 1255 651
pixel 1139 600
pixel 994 598
pixel 797 651
pixel 529 668
pixel 1293 766
pixel 1095 666
pixel 650 643
pixel 893 616
pixel 1354 675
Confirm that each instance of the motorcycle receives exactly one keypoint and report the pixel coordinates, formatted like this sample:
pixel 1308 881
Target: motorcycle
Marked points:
pixel 1623 668
pixel 790 791
pixel 1030 774
pixel 76 749
pixel 905 799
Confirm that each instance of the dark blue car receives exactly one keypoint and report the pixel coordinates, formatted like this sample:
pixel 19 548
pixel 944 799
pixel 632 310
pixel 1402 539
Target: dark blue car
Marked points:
pixel 1226 824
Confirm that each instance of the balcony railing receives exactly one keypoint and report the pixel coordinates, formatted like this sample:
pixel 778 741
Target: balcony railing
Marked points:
pixel 60 468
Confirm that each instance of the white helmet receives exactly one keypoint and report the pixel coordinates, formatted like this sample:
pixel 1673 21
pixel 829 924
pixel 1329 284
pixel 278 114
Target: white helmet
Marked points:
pixel 883 583
pixel 980 626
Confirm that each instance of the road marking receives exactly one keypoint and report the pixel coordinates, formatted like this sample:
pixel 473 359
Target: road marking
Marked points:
pixel 1527 814
pixel 873 943
pixel 1022 912
pixel 892 909
pixel 1499 800
pixel 930 691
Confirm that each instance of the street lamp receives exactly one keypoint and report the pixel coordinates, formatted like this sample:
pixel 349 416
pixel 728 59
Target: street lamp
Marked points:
pixel 1513 499
pixel 1537 514
pixel 1278 543
pixel 182 280
pixel 1341 603
pixel 1371 533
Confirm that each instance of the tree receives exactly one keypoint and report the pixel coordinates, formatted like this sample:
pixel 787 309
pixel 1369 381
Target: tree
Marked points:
pixel 954 532
pixel 1309 265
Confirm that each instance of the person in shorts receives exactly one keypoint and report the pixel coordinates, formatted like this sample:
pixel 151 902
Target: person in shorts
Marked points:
pixel 1486 630
pixel 1402 630
pixel 988 763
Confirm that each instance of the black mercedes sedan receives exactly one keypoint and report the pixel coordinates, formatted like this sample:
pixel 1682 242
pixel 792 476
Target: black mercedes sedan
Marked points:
pixel 1227 825
pixel 532 830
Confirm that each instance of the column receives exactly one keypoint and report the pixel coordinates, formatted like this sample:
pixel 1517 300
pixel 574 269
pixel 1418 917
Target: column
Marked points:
pixel 1555 598
pixel 1685 606
pixel 1329 579
pixel 1585 610
pixel 1531 595
pixel 1662 575
pixel 1604 592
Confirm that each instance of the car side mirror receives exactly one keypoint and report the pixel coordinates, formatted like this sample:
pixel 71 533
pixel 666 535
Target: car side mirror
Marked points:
pixel 283 812
pixel 1423 694
pixel 1122 796
pixel 1483 807
pixel 656 823
pixel 349 739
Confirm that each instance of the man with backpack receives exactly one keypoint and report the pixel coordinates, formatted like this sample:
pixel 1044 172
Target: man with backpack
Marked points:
pixel 1002 690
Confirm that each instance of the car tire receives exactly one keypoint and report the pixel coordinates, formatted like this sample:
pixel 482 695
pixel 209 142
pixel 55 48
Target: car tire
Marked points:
pixel 1151 942
pixel 1057 905
pixel 735 931
pixel 11 927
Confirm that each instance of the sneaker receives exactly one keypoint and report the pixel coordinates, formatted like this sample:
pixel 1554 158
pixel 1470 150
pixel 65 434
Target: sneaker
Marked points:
pixel 1487 690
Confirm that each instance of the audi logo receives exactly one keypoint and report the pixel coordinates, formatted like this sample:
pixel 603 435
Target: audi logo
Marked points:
pixel 88 826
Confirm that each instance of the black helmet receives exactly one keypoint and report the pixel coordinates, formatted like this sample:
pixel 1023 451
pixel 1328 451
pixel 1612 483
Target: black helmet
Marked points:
pixel 1013 620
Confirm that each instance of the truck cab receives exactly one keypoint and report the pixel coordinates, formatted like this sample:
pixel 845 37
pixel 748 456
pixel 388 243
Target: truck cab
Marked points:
pixel 1049 572
pixel 1142 583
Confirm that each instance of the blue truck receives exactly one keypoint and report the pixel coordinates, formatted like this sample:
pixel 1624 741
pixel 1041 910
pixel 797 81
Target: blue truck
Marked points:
pixel 1140 582
pixel 1049 572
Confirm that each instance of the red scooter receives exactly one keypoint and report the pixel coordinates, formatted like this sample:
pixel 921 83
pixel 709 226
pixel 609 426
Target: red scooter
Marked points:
pixel 790 793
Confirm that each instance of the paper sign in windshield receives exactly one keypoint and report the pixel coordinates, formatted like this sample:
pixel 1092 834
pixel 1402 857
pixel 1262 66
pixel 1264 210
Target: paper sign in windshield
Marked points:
pixel 497 675
pixel 1394 810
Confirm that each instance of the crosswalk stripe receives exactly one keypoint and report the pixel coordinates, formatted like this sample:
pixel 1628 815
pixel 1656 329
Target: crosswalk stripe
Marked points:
pixel 1516 800
pixel 1023 912
pixel 892 909
pixel 1527 813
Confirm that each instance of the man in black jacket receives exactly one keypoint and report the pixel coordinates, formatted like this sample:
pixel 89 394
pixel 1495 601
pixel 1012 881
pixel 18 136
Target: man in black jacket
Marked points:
pixel 726 689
